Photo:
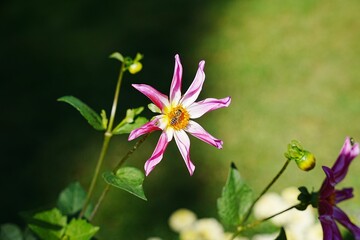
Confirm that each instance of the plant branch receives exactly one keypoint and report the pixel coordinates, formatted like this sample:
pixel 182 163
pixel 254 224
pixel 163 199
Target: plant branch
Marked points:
pixel 266 189
pixel 121 162
pixel 107 137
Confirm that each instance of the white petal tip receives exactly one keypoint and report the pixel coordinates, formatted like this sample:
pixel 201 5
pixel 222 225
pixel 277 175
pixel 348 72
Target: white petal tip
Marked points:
pixel 202 64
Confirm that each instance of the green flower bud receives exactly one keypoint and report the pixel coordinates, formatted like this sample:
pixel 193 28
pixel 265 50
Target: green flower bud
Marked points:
pixel 135 67
pixel 304 159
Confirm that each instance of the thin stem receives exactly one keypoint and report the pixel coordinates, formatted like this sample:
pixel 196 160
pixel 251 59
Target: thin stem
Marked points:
pixel 266 189
pixel 107 137
pixel 130 152
pixel 101 198
pixel 253 224
pixel 121 162
pixel 116 98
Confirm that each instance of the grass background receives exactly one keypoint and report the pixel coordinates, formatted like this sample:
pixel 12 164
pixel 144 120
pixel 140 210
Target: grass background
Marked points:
pixel 291 68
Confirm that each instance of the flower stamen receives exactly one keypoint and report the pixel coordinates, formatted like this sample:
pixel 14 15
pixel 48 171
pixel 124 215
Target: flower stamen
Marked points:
pixel 178 118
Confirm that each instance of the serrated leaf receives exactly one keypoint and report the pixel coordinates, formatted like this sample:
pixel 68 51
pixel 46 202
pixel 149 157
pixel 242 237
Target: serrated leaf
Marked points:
pixel 128 127
pixel 79 229
pixel 53 217
pixel 88 113
pixel 129 179
pixel 118 56
pixel 282 235
pixel 71 199
pixel 10 231
pixel 235 200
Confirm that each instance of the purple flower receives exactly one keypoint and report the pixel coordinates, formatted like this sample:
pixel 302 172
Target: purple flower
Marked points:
pixel 176 114
pixel 329 197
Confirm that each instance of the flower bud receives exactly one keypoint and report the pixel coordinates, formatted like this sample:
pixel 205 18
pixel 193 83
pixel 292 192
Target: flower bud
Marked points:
pixel 135 67
pixel 304 159
pixel 307 162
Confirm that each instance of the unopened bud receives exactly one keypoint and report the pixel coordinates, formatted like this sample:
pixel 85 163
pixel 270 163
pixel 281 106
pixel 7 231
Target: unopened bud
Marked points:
pixel 135 67
pixel 304 159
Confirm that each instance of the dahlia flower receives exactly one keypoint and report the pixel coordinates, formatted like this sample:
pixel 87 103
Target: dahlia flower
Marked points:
pixel 176 116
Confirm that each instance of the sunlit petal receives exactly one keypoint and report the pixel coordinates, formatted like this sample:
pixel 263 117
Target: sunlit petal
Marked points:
pixel 196 86
pixel 159 99
pixel 175 88
pixel 197 131
pixel 157 154
pixel 146 128
pixel 198 109
pixel 347 154
pixel 183 143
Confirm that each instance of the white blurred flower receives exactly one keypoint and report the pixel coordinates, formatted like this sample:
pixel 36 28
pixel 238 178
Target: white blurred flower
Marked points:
pixel 203 229
pixel 270 204
pixel 228 236
pixel 181 219
pixel 296 223
pixel 314 232
pixel 265 236
pixel 209 229
pixel 189 234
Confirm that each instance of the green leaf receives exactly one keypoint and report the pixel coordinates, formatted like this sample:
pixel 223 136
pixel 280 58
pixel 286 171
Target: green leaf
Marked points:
pixel 282 235
pixel 79 229
pixel 154 108
pixel 10 231
pixel 138 57
pixel 118 56
pixel 88 113
pixel 235 199
pixel 104 119
pixel 53 217
pixel 128 127
pixel 71 199
pixel 130 122
pixel 129 179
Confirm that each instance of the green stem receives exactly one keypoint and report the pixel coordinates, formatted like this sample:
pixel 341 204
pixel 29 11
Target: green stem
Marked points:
pixel 254 224
pixel 107 137
pixel 121 162
pixel 266 189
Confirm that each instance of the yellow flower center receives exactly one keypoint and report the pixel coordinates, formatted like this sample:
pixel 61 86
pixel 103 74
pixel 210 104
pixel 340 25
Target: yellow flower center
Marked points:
pixel 178 117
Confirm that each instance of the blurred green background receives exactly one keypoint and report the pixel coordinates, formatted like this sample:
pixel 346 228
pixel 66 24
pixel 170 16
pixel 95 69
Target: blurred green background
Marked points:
pixel 291 68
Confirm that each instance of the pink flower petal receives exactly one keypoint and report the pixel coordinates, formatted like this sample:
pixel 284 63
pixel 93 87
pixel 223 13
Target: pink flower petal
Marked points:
pixel 197 131
pixel 146 128
pixel 175 88
pixel 159 99
pixel 198 109
pixel 157 154
pixel 342 218
pixel 347 154
pixel 196 86
pixel 183 142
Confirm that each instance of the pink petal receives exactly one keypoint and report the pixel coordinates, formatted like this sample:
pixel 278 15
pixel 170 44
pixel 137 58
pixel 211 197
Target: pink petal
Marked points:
pixel 157 154
pixel 198 109
pixel 347 154
pixel 183 142
pixel 146 128
pixel 342 218
pixel 159 99
pixel 175 89
pixel 197 131
pixel 195 88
